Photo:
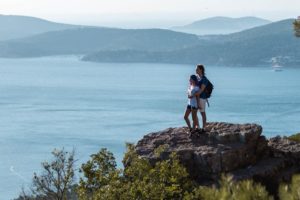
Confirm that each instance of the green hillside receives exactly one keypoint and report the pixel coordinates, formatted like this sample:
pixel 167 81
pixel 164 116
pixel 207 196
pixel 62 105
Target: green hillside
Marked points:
pixel 253 47
pixel 87 40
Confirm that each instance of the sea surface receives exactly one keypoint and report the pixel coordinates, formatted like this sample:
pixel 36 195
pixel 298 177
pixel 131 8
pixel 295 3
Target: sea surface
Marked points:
pixel 57 102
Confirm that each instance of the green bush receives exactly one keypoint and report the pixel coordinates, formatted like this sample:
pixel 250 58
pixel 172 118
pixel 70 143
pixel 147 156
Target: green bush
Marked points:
pixel 292 191
pixel 168 179
pixel 100 177
pixel 230 190
pixel 56 181
pixel 295 137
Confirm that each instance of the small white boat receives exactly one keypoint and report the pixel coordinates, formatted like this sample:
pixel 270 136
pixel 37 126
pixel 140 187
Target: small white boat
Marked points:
pixel 276 67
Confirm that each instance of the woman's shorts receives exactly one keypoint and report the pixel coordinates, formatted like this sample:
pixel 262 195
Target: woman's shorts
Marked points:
pixel 191 107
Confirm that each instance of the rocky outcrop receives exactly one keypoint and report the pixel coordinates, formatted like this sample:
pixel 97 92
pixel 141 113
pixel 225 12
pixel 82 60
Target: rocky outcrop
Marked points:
pixel 237 149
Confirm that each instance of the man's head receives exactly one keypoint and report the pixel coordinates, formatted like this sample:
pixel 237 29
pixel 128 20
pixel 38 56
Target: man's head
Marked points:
pixel 200 70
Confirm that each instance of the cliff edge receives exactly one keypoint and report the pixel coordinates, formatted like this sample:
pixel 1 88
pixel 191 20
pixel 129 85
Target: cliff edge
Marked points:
pixel 237 149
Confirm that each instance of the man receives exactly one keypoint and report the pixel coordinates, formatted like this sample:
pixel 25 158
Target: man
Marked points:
pixel 201 95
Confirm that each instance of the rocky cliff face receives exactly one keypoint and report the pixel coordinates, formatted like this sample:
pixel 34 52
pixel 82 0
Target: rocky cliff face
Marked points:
pixel 236 149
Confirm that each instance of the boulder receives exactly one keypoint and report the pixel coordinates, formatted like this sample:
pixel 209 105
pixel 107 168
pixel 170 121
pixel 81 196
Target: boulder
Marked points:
pixel 236 149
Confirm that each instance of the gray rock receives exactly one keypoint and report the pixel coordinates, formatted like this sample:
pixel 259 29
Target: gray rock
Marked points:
pixel 237 149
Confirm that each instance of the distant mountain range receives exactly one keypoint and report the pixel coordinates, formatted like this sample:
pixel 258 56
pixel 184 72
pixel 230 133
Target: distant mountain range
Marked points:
pixel 221 25
pixel 13 26
pixel 255 46
pixel 86 40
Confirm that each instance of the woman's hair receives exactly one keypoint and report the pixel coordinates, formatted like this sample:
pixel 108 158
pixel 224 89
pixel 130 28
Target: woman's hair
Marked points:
pixel 194 78
pixel 202 68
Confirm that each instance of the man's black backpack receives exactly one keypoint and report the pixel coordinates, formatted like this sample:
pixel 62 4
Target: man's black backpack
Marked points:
pixel 209 88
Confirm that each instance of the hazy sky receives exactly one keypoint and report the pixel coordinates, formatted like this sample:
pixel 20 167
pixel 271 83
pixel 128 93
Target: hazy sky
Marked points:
pixel 143 13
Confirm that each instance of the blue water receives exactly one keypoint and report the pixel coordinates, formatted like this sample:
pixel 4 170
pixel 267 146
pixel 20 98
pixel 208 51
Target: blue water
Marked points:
pixel 56 102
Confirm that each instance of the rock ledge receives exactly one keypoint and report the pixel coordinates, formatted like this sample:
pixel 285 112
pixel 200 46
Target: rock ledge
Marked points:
pixel 237 149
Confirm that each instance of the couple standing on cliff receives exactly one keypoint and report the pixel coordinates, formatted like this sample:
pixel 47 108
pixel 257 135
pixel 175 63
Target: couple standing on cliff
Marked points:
pixel 197 98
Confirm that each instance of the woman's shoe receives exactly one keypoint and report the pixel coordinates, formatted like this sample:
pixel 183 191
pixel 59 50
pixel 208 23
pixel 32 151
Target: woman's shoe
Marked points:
pixel 200 131
pixel 189 132
pixel 193 132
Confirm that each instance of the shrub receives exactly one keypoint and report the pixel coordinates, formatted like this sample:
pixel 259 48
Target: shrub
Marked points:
pixel 292 191
pixel 100 177
pixel 295 137
pixel 230 190
pixel 168 179
pixel 56 182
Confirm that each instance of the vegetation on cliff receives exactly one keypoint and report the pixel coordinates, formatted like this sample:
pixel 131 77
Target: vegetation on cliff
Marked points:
pixel 295 137
pixel 167 179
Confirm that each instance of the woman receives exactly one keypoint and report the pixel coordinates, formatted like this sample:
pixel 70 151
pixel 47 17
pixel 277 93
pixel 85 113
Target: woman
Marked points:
pixel 192 106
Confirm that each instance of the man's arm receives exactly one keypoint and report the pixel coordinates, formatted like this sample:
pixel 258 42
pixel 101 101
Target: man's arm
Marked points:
pixel 198 93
